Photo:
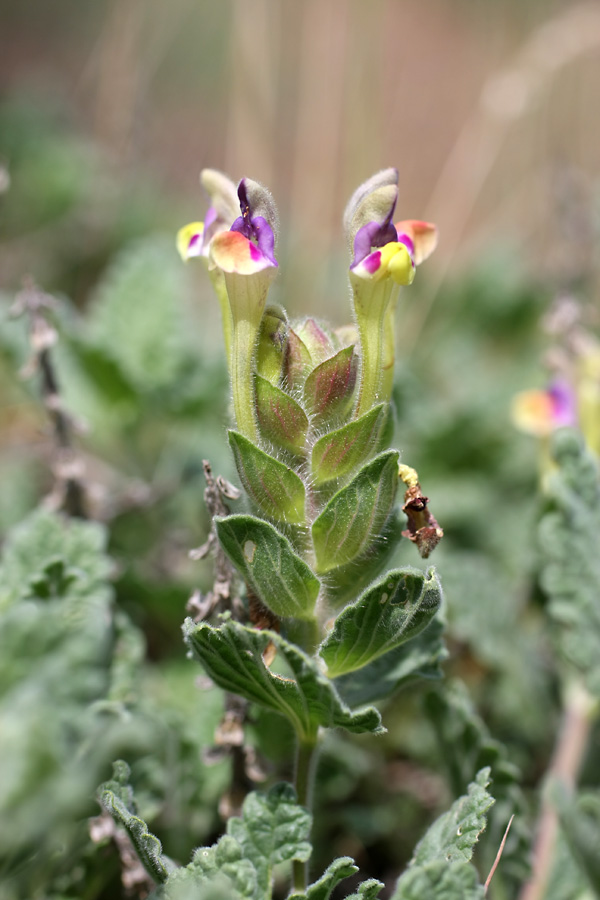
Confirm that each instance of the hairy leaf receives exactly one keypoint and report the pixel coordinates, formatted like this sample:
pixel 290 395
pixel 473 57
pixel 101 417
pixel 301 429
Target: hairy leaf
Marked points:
pixel 336 872
pixel 116 797
pixel 329 389
pixel 440 881
pixel 580 820
pixel 420 658
pixel 354 516
pixel 389 614
pixel 367 890
pixel 272 485
pixel 452 837
pixel 282 421
pixel 570 558
pixel 273 829
pixel 340 452
pixel 267 562
pixel 233 657
pixel 219 872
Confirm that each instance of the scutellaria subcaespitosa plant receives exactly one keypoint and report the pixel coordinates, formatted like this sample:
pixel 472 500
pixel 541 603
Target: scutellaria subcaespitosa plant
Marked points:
pixel 325 629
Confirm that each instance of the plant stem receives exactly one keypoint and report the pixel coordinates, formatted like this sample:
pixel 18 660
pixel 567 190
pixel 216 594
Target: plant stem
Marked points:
pixel 564 767
pixel 306 757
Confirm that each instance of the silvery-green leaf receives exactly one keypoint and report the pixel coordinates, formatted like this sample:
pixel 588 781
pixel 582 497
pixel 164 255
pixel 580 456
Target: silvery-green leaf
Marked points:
pixel 355 516
pixel 116 797
pixel 272 829
pixel 329 389
pixel 282 421
pixel 268 564
pixel 367 890
pixel 570 559
pixel 388 614
pixel 219 872
pixel 440 880
pixel 232 656
pixel 454 834
pixel 340 868
pixel 272 485
pixel 340 452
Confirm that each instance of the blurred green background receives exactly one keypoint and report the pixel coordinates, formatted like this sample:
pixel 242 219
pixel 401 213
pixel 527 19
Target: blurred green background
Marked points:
pixel 108 111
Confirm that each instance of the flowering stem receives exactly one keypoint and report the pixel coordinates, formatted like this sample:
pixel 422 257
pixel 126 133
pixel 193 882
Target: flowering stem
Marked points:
pixel 306 757
pixel 220 288
pixel 371 302
pixel 247 296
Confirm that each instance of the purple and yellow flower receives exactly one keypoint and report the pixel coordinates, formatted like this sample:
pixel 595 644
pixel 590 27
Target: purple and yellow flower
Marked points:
pixel 384 256
pixel 238 241
pixel 540 412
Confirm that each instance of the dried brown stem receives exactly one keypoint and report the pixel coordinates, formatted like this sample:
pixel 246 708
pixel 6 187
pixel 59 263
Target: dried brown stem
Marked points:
pixel 69 492
pixel 564 768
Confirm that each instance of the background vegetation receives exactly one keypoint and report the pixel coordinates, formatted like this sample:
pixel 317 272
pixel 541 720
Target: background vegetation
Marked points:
pixel 108 112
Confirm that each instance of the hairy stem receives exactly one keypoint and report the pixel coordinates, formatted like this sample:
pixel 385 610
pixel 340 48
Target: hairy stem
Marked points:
pixel 306 757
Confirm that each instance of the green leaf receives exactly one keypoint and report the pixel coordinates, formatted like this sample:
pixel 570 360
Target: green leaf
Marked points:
pixel 267 562
pixel 329 389
pixel 272 344
pixel 389 614
pixel 440 881
pixel 232 655
pixel 342 451
pixel 367 890
pixel 570 558
pixel 580 820
pixel 420 658
pixel 355 516
pixel 219 872
pixel 49 556
pixel 465 747
pixel 272 485
pixel 346 583
pixel 335 873
pixel 453 835
pixel 282 421
pixel 116 797
pixel 135 317
pixel 273 829
pixel 297 360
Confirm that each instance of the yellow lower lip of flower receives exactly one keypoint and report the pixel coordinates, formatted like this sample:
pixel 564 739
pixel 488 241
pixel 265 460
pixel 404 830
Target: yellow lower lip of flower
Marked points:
pixel 185 238
pixel 396 262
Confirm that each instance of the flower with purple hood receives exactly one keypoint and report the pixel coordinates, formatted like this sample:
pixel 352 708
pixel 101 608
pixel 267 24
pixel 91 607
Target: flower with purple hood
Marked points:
pixel 384 256
pixel 238 240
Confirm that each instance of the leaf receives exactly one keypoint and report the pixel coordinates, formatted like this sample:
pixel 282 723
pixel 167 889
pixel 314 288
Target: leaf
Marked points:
pixel 389 614
pixel 367 890
pixel 232 656
pixel 440 881
pixel 116 797
pixel 570 558
pixel 453 835
pixel 329 389
pixel 297 360
pixel 282 420
pixel 134 315
pixel 267 562
pixel 219 872
pixel 273 829
pixel 465 747
pixel 354 516
pixel 48 555
pixel 272 485
pixel 340 868
pixel 420 658
pixel 340 452
pixel 272 344
pixel 580 820
pixel 345 583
